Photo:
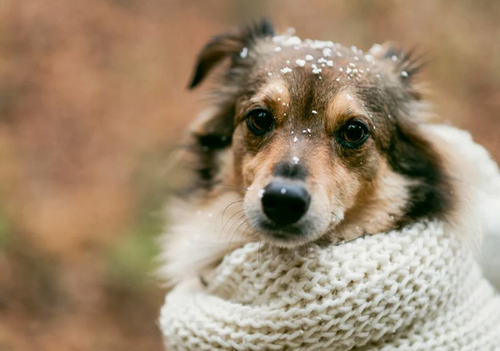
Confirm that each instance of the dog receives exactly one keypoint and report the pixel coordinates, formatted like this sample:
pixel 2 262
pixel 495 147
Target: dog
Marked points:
pixel 304 142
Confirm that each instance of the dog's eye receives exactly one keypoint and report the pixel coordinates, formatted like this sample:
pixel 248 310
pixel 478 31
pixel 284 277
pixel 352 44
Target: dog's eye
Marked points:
pixel 259 121
pixel 355 133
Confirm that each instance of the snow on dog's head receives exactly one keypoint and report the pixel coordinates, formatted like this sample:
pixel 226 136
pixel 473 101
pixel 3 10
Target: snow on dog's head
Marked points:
pixel 306 141
pixel 325 138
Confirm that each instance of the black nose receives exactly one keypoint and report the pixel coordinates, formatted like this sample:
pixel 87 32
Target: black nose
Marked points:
pixel 285 202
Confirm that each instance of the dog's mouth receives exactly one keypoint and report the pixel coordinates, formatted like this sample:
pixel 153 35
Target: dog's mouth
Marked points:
pixel 289 234
pixel 286 214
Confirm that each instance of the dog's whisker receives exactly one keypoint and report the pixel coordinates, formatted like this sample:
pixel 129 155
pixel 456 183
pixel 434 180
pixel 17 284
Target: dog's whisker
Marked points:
pixel 243 222
pixel 280 196
pixel 231 233
pixel 248 231
pixel 225 209
pixel 229 220
pixel 239 226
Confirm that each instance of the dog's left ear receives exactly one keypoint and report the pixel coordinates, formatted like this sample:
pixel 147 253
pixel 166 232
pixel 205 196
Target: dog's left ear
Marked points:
pixel 234 44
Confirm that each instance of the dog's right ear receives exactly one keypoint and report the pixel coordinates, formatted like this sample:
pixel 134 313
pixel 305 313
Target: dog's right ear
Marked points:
pixel 234 44
pixel 404 65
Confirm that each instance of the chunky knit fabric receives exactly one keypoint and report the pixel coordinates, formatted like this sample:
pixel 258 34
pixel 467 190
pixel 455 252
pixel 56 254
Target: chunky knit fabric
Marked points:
pixel 419 288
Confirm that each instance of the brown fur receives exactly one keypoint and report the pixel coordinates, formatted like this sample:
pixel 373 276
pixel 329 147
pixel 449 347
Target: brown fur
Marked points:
pixel 394 178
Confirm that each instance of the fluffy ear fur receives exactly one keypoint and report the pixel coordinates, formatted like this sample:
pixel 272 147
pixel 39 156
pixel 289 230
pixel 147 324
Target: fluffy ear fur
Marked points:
pixel 234 44
pixel 404 64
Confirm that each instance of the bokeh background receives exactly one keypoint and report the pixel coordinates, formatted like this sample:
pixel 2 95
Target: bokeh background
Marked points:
pixel 92 103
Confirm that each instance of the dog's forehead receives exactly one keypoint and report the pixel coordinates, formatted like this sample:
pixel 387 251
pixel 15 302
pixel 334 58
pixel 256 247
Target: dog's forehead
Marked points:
pixel 315 52
pixel 317 58
pixel 311 65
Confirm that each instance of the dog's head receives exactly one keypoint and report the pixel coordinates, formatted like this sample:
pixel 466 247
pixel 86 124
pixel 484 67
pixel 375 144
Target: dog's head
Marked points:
pixel 321 139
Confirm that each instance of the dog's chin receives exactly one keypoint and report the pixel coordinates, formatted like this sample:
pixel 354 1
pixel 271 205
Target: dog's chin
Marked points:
pixel 290 236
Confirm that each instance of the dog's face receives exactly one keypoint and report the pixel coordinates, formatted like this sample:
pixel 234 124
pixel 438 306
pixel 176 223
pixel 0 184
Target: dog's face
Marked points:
pixel 321 136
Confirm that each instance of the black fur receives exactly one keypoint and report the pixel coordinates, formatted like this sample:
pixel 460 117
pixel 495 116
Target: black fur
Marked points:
pixel 408 153
pixel 218 132
pixel 406 60
pixel 412 156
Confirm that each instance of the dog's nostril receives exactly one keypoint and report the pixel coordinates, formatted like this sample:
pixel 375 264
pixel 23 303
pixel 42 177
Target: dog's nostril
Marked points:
pixel 270 202
pixel 298 207
pixel 284 202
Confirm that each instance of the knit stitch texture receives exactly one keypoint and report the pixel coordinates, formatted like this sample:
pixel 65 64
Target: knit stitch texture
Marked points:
pixel 419 288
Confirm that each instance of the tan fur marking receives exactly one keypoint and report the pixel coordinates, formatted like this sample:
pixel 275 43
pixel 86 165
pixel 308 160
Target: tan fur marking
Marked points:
pixel 344 104
pixel 353 191
pixel 275 96
pixel 377 206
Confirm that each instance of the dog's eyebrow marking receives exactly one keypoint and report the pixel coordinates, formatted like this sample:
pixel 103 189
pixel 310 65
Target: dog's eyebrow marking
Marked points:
pixel 274 94
pixel 344 103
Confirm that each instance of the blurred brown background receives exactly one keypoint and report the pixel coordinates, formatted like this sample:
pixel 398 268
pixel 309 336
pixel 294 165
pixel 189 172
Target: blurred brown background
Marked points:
pixel 93 100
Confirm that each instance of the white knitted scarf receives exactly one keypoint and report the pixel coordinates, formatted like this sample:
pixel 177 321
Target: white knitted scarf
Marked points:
pixel 415 289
